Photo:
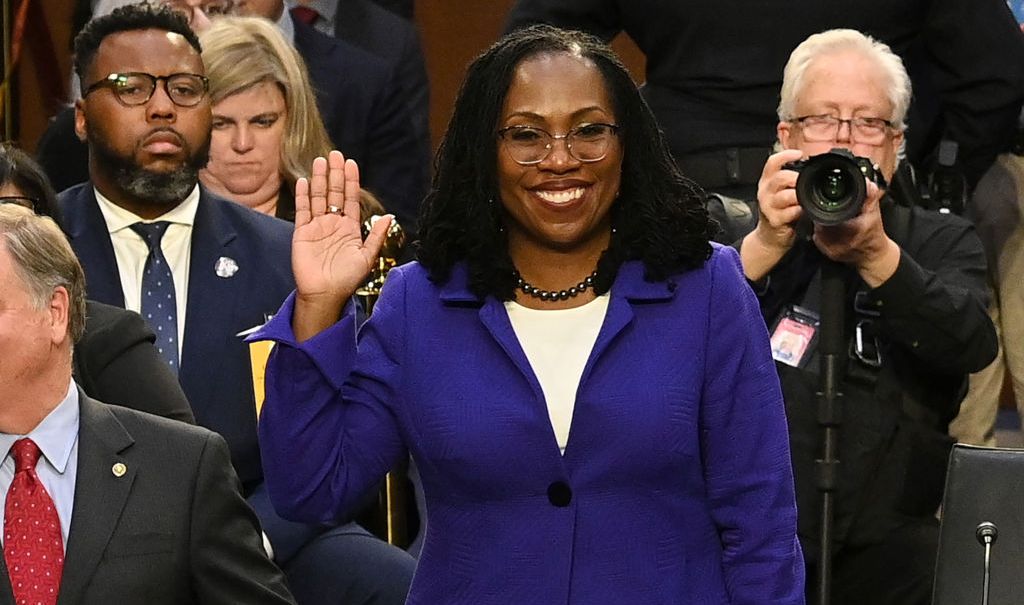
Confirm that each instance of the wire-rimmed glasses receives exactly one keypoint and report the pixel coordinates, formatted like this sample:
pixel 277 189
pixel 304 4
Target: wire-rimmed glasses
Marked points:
pixel 528 145
pixel 825 128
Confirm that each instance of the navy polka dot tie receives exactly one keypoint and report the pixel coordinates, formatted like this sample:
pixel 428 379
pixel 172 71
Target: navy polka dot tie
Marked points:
pixel 33 544
pixel 159 306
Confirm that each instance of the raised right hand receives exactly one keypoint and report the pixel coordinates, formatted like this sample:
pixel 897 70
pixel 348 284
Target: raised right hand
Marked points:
pixel 329 257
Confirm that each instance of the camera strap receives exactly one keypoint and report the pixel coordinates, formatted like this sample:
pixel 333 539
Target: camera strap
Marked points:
pixel 869 363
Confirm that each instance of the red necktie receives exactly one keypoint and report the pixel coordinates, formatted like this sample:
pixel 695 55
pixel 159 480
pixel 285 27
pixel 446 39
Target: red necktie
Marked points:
pixel 305 14
pixel 33 547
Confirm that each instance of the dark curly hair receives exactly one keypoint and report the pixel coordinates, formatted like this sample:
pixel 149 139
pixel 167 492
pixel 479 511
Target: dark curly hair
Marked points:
pixel 659 217
pixel 144 15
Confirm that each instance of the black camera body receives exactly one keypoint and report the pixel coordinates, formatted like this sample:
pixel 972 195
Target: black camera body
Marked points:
pixel 831 187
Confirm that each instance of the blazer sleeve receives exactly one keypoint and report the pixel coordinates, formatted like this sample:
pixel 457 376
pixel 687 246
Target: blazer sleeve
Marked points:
pixel 116 362
pixel 328 430
pixel 229 564
pixel 935 304
pixel 745 447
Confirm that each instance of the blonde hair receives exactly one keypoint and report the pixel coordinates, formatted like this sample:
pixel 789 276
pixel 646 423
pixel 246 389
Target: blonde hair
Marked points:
pixel 835 41
pixel 241 52
pixel 44 260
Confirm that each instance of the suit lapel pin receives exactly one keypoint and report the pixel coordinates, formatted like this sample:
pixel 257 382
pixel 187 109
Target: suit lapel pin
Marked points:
pixel 119 469
pixel 226 267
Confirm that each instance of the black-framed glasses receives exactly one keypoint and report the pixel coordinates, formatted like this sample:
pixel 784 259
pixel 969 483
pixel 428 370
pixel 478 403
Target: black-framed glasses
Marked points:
pixel 824 128
pixel 212 8
pixel 136 88
pixel 20 200
pixel 528 145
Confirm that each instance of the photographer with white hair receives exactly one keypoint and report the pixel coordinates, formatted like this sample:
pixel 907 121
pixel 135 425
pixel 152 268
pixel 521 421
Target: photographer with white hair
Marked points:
pixel 914 308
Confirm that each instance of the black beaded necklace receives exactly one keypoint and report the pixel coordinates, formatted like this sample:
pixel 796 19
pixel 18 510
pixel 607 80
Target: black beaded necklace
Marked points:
pixel 552 295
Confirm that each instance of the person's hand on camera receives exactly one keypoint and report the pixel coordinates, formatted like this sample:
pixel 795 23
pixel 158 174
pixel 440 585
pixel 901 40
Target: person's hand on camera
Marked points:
pixel 775 233
pixel 861 242
pixel 329 257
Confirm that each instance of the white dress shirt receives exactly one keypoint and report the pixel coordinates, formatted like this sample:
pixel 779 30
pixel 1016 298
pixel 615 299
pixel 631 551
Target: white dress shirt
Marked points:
pixel 131 251
pixel 57 468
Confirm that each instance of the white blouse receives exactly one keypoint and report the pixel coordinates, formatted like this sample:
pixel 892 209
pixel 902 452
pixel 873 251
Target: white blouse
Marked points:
pixel 557 344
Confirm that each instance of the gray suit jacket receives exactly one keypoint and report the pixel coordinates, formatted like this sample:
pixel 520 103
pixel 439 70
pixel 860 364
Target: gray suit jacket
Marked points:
pixel 173 529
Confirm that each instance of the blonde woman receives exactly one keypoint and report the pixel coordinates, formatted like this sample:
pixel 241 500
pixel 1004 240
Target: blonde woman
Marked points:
pixel 266 126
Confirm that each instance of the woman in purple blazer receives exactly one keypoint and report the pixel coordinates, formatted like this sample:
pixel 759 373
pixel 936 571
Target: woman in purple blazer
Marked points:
pixel 584 382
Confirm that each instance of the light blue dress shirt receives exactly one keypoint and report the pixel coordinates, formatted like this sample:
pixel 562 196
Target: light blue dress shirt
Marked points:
pixel 57 438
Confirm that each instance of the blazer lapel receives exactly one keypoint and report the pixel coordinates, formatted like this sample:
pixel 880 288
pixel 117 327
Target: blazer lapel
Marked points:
pixel 6 593
pixel 495 319
pixel 100 494
pixel 211 299
pixel 630 288
pixel 91 240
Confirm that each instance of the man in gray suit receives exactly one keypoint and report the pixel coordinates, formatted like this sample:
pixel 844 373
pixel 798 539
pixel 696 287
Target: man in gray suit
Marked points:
pixel 118 506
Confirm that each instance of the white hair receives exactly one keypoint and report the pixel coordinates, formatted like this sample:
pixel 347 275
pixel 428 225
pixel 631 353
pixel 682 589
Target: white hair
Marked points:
pixel 835 41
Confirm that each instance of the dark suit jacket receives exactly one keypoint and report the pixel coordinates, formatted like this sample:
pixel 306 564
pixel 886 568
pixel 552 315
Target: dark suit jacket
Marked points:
pixel 115 361
pixel 215 368
pixel 63 157
pixel 173 529
pixel 375 29
pixel 367 118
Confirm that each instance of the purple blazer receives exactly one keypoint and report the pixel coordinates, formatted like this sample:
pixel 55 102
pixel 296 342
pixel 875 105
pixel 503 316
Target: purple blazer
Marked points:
pixel 675 486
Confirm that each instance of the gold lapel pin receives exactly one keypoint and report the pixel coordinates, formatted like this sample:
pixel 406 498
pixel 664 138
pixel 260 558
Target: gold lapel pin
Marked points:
pixel 119 469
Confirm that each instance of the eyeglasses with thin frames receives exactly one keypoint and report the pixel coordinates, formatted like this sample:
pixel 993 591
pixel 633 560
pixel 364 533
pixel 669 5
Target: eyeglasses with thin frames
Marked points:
pixel 137 88
pixel 527 145
pixel 215 8
pixel 824 128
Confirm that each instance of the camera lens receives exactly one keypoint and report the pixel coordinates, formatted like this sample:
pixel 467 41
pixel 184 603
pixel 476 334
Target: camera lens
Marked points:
pixel 834 188
pixel 831 187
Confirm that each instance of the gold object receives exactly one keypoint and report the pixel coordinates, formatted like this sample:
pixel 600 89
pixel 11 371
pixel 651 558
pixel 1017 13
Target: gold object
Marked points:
pixel 119 469
pixel 390 251
pixel 259 353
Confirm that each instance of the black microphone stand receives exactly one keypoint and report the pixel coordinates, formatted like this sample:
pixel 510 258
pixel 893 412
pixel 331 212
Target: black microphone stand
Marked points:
pixel 986 533
pixel 832 345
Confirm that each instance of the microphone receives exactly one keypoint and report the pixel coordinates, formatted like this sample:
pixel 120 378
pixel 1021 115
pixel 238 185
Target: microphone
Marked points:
pixel 986 533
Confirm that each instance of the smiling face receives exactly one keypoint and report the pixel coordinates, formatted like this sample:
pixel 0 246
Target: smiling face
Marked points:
pixel 245 149
pixel 560 203
pixel 845 85
pixel 145 157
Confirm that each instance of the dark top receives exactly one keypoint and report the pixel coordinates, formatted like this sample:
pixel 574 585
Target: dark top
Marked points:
pixel 714 67
pixel 367 118
pixel 115 361
pixel 396 40
pixel 933 330
pixel 63 157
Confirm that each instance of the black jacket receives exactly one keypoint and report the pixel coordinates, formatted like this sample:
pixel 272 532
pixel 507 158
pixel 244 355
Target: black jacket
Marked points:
pixel 932 328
